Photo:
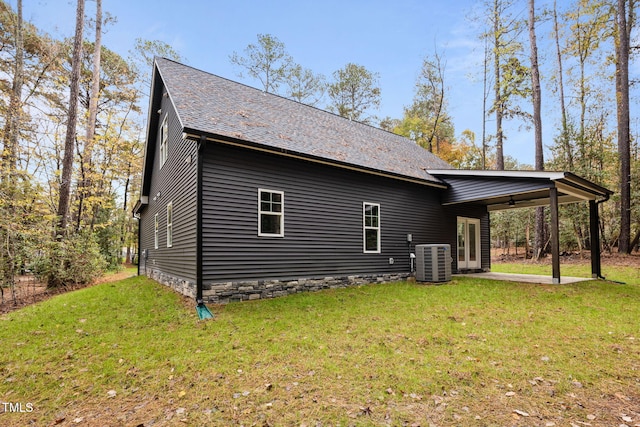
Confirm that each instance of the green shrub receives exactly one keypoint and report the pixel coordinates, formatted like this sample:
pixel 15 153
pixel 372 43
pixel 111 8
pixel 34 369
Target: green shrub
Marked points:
pixel 71 261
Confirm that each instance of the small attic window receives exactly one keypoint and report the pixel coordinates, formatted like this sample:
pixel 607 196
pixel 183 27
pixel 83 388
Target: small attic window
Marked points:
pixel 164 141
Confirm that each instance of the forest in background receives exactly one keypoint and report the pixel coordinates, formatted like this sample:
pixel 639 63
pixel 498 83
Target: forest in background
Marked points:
pixel 71 159
pixel 72 241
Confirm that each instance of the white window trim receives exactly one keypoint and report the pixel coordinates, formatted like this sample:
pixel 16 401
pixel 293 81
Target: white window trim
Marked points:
pixel 260 212
pixel 164 141
pixel 365 228
pixel 170 224
pixel 156 236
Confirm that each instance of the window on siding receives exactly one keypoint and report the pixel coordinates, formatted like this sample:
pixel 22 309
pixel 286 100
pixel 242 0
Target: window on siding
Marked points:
pixel 170 225
pixel 270 213
pixel 371 227
pixel 155 234
pixel 164 141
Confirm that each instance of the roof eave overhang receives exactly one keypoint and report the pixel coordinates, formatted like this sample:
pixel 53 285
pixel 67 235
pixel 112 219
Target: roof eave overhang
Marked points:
pixel 582 186
pixel 494 173
pixel 196 135
pixel 149 144
pixel 140 204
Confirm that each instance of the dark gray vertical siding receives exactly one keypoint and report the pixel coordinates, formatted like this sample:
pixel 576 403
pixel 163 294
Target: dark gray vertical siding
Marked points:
pixel 176 183
pixel 323 233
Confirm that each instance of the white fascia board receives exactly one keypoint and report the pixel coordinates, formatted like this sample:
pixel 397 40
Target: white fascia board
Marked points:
pixel 498 174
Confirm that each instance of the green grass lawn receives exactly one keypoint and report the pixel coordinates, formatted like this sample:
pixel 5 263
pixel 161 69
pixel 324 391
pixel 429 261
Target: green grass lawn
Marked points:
pixel 466 353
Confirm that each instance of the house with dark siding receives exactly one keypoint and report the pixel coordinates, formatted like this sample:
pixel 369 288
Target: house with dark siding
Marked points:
pixel 249 195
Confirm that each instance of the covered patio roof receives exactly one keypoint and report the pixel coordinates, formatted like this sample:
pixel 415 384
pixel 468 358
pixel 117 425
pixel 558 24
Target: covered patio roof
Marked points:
pixel 508 189
pixel 499 190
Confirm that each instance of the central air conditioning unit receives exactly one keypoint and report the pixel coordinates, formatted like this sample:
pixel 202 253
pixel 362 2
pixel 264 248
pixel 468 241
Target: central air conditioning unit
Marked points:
pixel 433 263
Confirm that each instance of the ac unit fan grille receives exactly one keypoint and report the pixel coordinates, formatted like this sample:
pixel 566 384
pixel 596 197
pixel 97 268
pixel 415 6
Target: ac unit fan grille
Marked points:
pixel 433 263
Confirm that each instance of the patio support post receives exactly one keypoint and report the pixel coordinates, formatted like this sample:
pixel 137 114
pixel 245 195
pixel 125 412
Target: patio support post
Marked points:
pixel 555 235
pixel 596 267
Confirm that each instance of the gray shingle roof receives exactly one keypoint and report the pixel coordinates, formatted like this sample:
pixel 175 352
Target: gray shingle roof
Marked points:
pixel 217 106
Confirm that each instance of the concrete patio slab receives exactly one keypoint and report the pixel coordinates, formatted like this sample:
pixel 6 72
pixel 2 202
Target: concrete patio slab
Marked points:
pixel 525 278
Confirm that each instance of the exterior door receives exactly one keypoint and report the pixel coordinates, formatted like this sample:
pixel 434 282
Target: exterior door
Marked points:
pixel 468 243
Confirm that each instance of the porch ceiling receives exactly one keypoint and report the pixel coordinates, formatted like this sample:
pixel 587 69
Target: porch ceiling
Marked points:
pixel 515 200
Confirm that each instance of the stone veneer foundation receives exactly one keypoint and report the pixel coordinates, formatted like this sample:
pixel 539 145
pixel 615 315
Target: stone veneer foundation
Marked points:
pixel 224 292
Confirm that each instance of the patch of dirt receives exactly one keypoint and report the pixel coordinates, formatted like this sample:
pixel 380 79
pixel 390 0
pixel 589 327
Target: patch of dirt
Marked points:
pixel 114 277
pixel 29 290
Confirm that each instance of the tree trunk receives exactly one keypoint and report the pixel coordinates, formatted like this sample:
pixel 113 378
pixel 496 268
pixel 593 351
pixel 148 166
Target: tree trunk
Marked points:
pixel 10 157
pixel 12 126
pixel 582 57
pixel 535 85
pixel 439 107
pixel 624 146
pixel 498 98
pixel 563 110
pixel 70 137
pixel 85 185
pixel 485 95
pixel 537 122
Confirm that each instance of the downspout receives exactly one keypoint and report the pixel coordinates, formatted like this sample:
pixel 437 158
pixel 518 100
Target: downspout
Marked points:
pixel 201 144
pixel 201 308
pixel 606 198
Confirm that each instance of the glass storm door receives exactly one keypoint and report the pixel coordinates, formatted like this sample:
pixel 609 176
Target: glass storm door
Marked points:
pixel 468 243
